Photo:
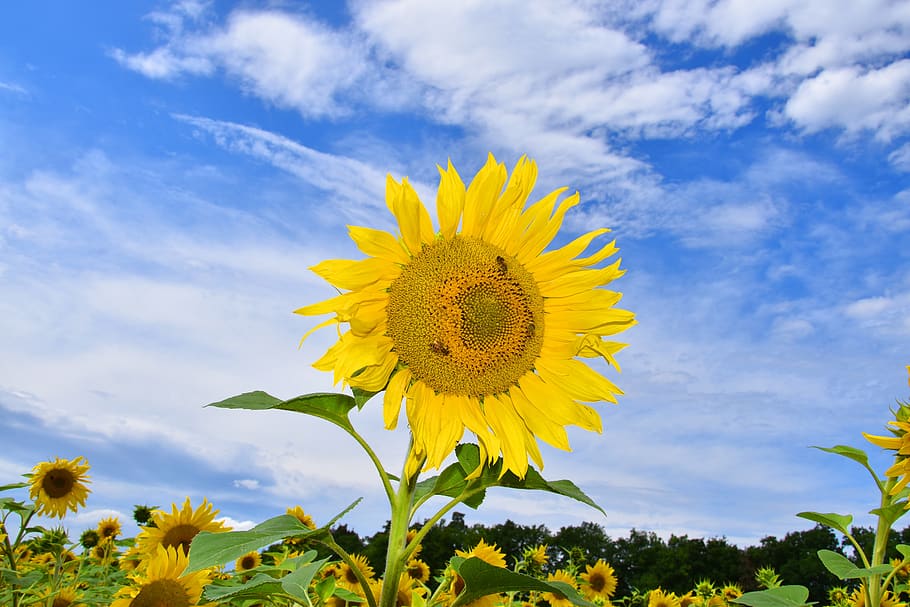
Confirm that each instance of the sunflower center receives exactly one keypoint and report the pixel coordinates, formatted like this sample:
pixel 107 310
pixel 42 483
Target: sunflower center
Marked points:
pixel 466 317
pixel 597 582
pixel 247 562
pixel 162 593
pixel 180 535
pixel 60 601
pixel 58 483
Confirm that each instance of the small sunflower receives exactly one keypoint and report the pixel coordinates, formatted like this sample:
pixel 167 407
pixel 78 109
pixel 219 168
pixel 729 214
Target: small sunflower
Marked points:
pixel 66 597
pixel 59 485
pixel 557 599
pixel 659 598
pixel 537 555
pixel 178 528
pixel 302 516
pixel 418 570
pixel 109 528
pixel 248 561
pixel 488 553
pixel 478 329
pixel 348 578
pixel 600 580
pixel 688 599
pixel 412 533
pixel 163 582
pixel 731 592
pixel 407 588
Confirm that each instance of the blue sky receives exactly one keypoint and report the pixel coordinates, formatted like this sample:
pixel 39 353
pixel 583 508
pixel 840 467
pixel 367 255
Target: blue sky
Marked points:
pixel 169 171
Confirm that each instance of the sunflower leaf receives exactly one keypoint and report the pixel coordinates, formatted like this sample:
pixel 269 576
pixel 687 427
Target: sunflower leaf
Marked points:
pixel 330 406
pixel 259 586
pixel 248 400
pixel 210 549
pixel 481 579
pixel 840 522
pixel 297 582
pixel 361 396
pixel 782 596
pixel 13 486
pixel 845 569
pixel 891 513
pixel 533 480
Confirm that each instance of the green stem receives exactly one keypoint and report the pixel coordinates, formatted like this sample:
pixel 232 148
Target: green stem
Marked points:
pixel 398 534
pixel 882 532
pixel 431 522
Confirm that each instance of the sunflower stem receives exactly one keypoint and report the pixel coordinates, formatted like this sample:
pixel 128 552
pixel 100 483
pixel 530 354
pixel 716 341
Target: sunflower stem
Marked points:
pixel 398 532
pixel 343 554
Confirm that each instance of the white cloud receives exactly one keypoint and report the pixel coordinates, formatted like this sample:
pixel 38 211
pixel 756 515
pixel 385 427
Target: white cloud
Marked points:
pixel 235 525
pixel 12 87
pixel 900 158
pixel 247 483
pixel 850 98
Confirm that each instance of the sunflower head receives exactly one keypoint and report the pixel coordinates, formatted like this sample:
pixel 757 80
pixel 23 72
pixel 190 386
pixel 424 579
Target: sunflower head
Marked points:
pixel 418 570
pixel 248 561
pixel 600 580
pixel 164 582
pixel 178 528
pixel 347 572
pixel 557 599
pixel 659 598
pixel 59 486
pixel 109 528
pixel 537 555
pixel 474 325
pixel 302 516
pixel 488 553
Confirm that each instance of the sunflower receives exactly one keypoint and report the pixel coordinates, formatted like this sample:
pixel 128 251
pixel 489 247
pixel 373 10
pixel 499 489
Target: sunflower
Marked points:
pixel 557 599
pixel 347 577
pixel 600 580
pixel 109 528
pixel 477 329
pixel 688 599
pixel 248 561
pixel 537 555
pixel 178 528
pixel 302 516
pixel 659 598
pixel 65 597
pixel 731 592
pixel 418 570
pixel 407 588
pixel 59 485
pixel 163 583
pixel 488 553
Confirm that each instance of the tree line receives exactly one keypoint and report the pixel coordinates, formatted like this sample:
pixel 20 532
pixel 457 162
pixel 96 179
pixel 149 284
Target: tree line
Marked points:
pixel 642 560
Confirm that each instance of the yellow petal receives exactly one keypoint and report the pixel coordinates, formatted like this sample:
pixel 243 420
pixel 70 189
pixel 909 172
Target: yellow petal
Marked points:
pixel 541 234
pixel 885 442
pixel 482 194
pixel 374 378
pixel 531 218
pixel 449 201
pixel 578 380
pixel 413 219
pixel 552 264
pixel 391 400
pixel 508 208
pixel 561 408
pixel 378 243
pixel 356 274
pixel 511 430
pixel 574 283
pixel 538 421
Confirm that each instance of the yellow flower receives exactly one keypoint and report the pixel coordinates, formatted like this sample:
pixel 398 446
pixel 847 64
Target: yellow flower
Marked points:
pixel 600 580
pixel 109 528
pixel 488 553
pixel 248 561
pixel 164 583
pixel 65 597
pixel 302 516
pixel 537 555
pixel 557 599
pixel 659 598
pixel 177 529
pixel 59 485
pixel 688 599
pixel 347 577
pixel 478 329
pixel 730 592
pixel 418 570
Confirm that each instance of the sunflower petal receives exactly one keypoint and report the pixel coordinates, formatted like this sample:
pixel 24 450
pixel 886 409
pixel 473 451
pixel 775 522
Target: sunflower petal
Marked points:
pixel 449 201
pixel 391 400
pixel 482 194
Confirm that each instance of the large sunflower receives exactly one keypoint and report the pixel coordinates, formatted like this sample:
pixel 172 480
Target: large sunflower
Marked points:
pixel 477 329
pixel 164 583
pixel 59 485
pixel 177 529
pixel 600 580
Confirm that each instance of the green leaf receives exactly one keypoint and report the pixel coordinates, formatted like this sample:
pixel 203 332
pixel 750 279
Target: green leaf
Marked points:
pixel 361 396
pixel 212 549
pixel 841 522
pixel 248 400
pixel 259 586
pixel 782 596
pixel 904 549
pixel 13 486
pixel 533 480
pixel 297 582
pixel 844 568
pixel 890 513
pixel 857 455
pixel 330 406
pixel 481 579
